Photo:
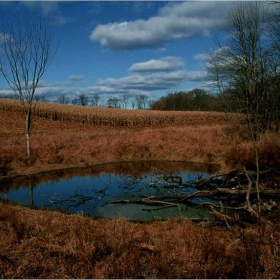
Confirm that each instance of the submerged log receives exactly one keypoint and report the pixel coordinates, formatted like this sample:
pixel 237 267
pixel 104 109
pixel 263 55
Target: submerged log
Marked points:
pixel 234 189
pixel 227 219
pixel 231 179
pixel 146 201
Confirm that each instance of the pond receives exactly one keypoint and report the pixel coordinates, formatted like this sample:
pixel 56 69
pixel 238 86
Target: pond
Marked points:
pixel 108 190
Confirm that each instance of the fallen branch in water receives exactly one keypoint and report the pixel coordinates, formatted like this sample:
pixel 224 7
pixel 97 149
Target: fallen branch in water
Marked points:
pixel 233 191
pixel 163 207
pixel 226 218
pixel 146 201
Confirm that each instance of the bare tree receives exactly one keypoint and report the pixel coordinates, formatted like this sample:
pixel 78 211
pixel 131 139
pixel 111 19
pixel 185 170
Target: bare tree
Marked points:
pixel 115 102
pixel 63 99
pixel 141 101
pixel 247 66
pixel 275 35
pixel 83 99
pixel 26 55
pixel 110 103
pixel 125 100
pixel 96 99
pixel 40 98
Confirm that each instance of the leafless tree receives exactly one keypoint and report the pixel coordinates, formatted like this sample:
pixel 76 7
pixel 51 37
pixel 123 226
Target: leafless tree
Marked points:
pixel 275 35
pixel 83 99
pixel 96 99
pixel 125 100
pixel 248 66
pixel 110 103
pixel 26 55
pixel 141 101
pixel 63 99
pixel 115 102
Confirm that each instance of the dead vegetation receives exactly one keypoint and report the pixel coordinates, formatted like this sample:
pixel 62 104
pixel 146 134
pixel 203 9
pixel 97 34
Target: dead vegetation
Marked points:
pixel 109 117
pixel 234 192
pixel 65 143
pixel 74 246
pixel 197 137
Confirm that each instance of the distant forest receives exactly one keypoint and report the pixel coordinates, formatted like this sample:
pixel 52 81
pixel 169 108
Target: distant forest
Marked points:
pixel 195 100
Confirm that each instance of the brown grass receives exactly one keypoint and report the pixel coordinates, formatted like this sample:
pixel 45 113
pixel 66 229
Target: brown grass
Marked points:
pixel 198 137
pixel 109 117
pixel 46 244
pixel 74 246
pixel 205 137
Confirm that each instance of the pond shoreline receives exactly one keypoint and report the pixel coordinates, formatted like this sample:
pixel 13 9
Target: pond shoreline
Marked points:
pixel 94 189
pixel 36 170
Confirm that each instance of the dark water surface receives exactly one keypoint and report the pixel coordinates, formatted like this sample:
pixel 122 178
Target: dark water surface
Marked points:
pixel 89 190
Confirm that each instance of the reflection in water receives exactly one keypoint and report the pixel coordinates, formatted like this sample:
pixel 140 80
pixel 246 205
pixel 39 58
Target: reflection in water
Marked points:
pixel 91 190
pixel 30 194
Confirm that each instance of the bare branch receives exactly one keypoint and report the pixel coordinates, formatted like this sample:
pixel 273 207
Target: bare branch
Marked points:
pixel 27 55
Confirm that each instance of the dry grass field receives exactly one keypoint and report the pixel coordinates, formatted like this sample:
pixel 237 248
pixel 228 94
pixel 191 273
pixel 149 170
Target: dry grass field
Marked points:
pixel 198 137
pixel 67 140
pixel 74 246
pixel 46 244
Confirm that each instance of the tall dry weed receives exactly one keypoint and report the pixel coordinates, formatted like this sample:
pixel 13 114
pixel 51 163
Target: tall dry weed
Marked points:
pixel 46 244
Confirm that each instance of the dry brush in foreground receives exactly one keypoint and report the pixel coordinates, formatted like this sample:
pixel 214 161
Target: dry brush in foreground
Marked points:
pixel 74 246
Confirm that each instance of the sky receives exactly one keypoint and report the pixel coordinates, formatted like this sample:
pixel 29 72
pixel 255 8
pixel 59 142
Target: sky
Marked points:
pixel 125 47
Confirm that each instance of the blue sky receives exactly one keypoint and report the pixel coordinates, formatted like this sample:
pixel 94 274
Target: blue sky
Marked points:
pixel 125 48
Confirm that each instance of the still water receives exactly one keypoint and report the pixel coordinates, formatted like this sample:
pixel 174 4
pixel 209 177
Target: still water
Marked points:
pixel 91 190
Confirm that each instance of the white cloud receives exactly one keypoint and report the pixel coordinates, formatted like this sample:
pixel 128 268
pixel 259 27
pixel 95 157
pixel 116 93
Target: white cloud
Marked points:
pixel 130 85
pixel 75 78
pixel 148 85
pixel 49 9
pixel 172 22
pixel 201 57
pixel 46 7
pixel 4 38
pixel 168 63
pixel 154 81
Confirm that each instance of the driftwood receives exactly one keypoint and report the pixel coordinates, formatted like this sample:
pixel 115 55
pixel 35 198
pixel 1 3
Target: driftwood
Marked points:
pixel 75 200
pixel 146 201
pixel 227 219
pixel 236 191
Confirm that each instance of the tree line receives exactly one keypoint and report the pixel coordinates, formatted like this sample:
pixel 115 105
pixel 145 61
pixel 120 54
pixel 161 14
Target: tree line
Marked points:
pixel 140 101
pixel 194 100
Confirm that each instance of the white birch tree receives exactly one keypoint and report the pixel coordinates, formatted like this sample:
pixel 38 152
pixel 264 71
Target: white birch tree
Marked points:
pixel 25 57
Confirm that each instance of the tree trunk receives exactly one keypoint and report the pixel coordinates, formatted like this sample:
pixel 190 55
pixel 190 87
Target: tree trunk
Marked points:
pixel 27 130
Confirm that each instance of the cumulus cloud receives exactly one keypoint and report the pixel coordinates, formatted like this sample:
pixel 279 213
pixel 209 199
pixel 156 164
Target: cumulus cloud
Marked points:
pixel 201 57
pixel 4 38
pixel 49 9
pixel 75 78
pixel 129 85
pixel 172 22
pixel 46 7
pixel 154 81
pixel 147 85
pixel 147 78
pixel 168 63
